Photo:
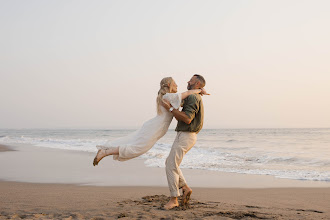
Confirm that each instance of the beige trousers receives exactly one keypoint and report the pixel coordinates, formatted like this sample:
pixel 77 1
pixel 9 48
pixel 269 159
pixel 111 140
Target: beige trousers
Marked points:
pixel 184 141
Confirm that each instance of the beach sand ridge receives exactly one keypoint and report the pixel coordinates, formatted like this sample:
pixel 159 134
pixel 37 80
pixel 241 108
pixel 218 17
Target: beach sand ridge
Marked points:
pixel 64 201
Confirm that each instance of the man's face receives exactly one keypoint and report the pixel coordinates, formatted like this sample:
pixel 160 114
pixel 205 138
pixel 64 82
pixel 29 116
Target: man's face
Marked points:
pixel 193 83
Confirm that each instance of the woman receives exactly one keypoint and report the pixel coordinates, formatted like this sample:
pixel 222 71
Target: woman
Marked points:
pixel 142 140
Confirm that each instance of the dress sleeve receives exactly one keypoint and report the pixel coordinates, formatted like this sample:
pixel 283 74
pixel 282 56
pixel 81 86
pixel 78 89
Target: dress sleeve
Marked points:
pixel 174 99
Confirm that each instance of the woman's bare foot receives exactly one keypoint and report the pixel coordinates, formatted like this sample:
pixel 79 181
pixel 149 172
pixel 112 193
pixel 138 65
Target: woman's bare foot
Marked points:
pixel 172 203
pixel 105 152
pixel 100 154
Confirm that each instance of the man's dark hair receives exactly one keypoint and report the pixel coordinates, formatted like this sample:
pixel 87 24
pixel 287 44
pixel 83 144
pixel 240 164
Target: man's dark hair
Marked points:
pixel 201 80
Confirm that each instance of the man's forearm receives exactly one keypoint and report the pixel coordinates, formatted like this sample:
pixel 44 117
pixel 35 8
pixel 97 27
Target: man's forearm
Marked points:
pixel 181 116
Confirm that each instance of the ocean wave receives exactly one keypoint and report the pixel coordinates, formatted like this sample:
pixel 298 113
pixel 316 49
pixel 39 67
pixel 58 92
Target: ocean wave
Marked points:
pixel 213 164
pixel 57 143
pixel 217 151
pixel 212 159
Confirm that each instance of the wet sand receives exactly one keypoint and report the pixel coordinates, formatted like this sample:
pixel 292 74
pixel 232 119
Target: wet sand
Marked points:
pixel 81 198
pixel 46 165
pixel 4 148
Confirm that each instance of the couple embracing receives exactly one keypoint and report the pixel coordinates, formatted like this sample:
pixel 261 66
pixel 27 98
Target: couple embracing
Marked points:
pixel 190 122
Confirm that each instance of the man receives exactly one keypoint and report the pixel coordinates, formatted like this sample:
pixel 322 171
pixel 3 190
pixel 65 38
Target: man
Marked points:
pixel 190 122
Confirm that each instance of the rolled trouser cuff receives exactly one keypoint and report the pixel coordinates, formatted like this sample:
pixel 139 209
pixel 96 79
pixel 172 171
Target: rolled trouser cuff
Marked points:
pixel 175 193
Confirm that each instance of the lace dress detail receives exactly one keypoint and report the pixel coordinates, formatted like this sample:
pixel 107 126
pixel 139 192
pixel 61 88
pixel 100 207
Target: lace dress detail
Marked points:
pixel 143 139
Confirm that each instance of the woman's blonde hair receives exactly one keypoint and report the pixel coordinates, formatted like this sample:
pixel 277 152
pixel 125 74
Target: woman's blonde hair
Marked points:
pixel 165 87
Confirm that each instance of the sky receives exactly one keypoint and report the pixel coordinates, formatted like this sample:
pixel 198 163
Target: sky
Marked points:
pixel 98 64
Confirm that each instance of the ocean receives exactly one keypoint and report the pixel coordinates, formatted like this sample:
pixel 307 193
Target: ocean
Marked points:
pixel 302 154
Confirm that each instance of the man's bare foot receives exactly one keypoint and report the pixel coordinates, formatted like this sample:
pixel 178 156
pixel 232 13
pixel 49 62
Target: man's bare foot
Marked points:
pixel 172 203
pixel 186 195
pixel 100 154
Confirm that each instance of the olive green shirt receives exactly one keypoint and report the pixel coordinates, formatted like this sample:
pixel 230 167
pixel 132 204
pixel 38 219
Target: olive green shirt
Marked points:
pixel 194 109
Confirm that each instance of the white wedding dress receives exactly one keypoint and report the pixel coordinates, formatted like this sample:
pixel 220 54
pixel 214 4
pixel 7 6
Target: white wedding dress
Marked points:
pixel 142 140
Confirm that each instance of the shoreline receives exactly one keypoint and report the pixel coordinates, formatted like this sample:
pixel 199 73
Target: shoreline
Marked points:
pixel 45 183
pixel 34 164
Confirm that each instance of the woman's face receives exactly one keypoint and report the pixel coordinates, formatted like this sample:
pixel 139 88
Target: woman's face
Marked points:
pixel 174 87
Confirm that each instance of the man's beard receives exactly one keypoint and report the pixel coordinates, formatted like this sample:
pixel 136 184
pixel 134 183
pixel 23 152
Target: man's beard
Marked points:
pixel 190 87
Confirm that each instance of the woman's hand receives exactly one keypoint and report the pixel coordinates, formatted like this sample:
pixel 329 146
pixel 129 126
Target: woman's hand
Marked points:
pixel 203 92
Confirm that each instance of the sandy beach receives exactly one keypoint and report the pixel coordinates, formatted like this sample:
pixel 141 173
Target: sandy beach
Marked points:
pixel 44 183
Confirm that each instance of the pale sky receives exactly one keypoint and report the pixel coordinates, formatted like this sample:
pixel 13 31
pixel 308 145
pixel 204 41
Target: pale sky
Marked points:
pixel 98 64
